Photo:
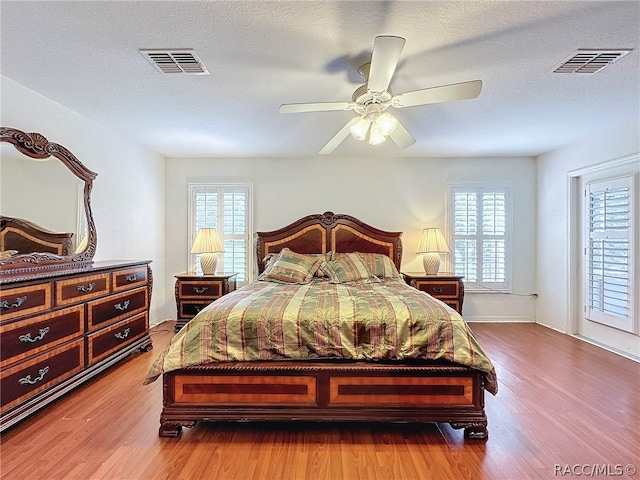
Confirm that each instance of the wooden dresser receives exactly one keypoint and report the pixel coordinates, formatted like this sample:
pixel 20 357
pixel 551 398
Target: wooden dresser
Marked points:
pixel 446 287
pixel 65 327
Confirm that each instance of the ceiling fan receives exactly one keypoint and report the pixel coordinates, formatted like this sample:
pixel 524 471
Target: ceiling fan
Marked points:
pixel 371 100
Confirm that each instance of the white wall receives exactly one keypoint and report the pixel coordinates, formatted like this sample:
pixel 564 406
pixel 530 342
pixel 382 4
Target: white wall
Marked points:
pixel 554 279
pixel 392 194
pixel 128 194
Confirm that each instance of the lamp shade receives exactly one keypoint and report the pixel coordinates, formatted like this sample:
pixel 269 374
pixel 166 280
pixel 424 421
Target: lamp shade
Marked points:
pixel 432 244
pixel 207 244
pixel 207 241
pixel 360 128
pixel 375 135
pixel 432 240
pixel 387 123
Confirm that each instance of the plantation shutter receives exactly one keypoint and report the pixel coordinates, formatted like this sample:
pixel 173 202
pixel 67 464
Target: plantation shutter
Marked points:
pixel 480 236
pixel 227 209
pixel 609 275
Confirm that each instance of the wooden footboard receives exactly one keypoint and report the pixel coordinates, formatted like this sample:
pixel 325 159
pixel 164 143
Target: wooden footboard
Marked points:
pixel 305 391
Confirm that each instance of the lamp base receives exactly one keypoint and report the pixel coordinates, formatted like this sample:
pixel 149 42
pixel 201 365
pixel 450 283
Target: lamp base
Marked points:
pixel 208 263
pixel 431 262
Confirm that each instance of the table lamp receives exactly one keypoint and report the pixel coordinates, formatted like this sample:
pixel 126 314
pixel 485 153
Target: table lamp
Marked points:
pixel 432 244
pixel 207 244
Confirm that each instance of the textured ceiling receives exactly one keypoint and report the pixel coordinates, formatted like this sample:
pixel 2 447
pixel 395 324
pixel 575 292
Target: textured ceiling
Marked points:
pixel 84 55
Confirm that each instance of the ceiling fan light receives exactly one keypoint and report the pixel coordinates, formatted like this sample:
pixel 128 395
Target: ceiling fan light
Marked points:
pixel 387 123
pixel 360 129
pixel 375 135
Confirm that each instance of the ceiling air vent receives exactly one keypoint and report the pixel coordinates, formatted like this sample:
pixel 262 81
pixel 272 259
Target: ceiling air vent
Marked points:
pixel 589 61
pixel 184 61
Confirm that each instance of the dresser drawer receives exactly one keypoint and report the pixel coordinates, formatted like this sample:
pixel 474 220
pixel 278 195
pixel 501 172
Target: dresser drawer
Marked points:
pixel 440 289
pixel 116 307
pixel 23 338
pixel 129 278
pixel 209 290
pixel 81 289
pixel 15 302
pixel 28 378
pixel 108 340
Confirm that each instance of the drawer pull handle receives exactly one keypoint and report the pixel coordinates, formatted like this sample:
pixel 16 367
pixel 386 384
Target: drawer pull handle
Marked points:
pixel 437 289
pixel 28 381
pixel 19 301
pixel 88 288
pixel 26 338
pixel 123 335
pixel 131 278
pixel 200 290
pixel 122 306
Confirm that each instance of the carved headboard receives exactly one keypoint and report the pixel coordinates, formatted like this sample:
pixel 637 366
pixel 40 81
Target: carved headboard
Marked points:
pixel 321 233
pixel 26 237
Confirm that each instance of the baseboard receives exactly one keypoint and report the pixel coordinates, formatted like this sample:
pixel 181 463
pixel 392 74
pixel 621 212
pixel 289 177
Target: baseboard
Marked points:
pixel 157 324
pixel 553 328
pixel 494 319
pixel 607 348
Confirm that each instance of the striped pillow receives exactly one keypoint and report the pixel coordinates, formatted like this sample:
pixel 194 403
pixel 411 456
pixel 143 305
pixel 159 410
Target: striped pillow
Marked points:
pixel 325 257
pixel 380 265
pixel 268 260
pixel 347 267
pixel 292 267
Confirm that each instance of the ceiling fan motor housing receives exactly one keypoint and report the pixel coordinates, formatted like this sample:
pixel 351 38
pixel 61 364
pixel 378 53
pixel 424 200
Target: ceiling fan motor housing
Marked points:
pixel 363 98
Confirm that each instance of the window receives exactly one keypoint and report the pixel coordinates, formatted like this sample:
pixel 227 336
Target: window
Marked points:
pixel 228 209
pixel 480 232
pixel 609 272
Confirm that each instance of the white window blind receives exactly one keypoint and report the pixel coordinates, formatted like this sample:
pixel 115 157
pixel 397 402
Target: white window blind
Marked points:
pixel 479 234
pixel 227 208
pixel 609 275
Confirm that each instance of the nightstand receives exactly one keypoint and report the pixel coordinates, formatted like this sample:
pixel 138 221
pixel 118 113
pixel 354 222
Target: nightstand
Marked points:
pixel 444 286
pixel 194 292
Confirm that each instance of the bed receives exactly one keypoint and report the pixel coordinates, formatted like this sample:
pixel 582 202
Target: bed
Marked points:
pixel 25 237
pixel 377 378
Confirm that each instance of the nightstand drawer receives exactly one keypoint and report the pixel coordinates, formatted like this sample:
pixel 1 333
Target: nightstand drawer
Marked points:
pixel 447 288
pixel 440 289
pixel 455 304
pixel 191 309
pixel 195 292
pixel 196 289
pixel 23 338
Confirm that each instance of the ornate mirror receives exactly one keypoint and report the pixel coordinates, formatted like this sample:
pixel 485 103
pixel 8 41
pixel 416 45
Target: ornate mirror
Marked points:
pixel 45 207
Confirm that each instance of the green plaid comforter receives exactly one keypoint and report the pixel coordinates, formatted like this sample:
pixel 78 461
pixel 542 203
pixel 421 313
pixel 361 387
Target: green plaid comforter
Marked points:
pixel 386 320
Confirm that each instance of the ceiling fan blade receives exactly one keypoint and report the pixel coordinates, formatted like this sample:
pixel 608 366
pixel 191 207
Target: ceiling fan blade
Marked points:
pixel 316 107
pixel 401 136
pixel 445 93
pixel 384 60
pixel 339 137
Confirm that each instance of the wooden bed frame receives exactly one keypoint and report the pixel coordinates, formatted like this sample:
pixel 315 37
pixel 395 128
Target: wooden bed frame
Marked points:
pixel 326 391
pixel 27 237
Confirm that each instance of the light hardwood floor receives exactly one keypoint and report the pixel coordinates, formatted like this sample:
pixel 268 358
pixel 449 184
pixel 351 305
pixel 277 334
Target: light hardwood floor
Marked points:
pixel 563 404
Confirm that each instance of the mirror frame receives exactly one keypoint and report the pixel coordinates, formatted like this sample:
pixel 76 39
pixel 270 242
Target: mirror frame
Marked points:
pixel 35 145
